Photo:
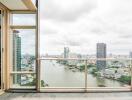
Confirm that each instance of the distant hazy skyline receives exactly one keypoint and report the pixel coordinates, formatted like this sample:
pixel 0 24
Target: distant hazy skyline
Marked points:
pixel 80 24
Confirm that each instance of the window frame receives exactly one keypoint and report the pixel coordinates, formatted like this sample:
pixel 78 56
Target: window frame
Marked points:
pixel 36 45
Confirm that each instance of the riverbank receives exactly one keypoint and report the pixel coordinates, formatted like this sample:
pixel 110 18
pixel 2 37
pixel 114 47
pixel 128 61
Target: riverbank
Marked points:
pixel 95 72
pixel 58 75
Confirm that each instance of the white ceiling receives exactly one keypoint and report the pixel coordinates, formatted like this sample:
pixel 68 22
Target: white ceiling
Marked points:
pixel 14 4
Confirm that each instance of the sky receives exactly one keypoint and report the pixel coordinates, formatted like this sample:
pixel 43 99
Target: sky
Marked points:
pixel 79 25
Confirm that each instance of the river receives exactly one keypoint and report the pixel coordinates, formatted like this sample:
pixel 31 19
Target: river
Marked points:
pixel 57 75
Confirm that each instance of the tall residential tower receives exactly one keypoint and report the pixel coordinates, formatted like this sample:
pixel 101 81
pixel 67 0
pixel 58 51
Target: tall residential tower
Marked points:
pixel 66 52
pixel 17 55
pixel 101 53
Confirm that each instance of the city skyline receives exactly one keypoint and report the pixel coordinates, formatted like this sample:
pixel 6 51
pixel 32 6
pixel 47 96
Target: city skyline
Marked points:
pixel 101 52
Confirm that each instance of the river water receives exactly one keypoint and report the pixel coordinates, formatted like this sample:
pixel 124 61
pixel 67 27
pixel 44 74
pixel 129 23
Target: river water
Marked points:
pixel 58 75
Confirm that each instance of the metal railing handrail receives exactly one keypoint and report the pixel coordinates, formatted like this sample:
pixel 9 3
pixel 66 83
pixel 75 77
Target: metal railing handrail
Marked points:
pixel 22 72
pixel 129 59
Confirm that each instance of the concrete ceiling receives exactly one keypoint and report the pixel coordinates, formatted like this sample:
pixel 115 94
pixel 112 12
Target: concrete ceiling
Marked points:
pixel 16 4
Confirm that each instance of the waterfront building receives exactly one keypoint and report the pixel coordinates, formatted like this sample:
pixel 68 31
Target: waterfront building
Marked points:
pixel 101 53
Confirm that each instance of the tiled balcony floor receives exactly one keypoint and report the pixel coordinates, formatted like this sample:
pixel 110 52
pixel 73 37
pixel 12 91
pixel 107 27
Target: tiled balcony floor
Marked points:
pixel 67 96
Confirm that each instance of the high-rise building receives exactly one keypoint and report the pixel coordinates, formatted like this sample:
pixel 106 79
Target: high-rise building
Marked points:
pixel 17 55
pixel 130 54
pixel 101 53
pixel 66 52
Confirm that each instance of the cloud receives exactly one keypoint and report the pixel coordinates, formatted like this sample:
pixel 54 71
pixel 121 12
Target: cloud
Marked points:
pixel 27 41
pixel 80 24
pixel 98 31
pixel 74 43
pixel 66 41
pixel 48 31
pixel 66 10
pixel 127 36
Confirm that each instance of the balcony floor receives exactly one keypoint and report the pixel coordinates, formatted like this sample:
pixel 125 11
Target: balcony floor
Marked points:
pixel 67 96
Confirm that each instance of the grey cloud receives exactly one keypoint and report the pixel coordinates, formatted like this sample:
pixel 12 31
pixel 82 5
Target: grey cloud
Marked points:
pixel 124 32
pixel 126 36
pixel 98 31
pixel 121 42
pixel 99 26
pixel 69 43
pixel 75 40
pixel 56 42
pixel 53 11
pixel 46 31
pixel 108 25
pixel 74 43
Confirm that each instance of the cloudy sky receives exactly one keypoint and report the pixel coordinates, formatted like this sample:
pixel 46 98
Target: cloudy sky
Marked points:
pixel 80 24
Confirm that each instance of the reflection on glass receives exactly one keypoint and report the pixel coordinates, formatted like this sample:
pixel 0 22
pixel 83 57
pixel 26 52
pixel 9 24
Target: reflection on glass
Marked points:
pixel 23 52
pixel 62 73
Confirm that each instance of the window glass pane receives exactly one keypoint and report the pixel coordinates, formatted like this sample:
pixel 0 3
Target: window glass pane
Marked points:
pixel 115 73
pixel 23 19
pixel 62 73
pixel 24 80
pixel 23 50
pixel 103 32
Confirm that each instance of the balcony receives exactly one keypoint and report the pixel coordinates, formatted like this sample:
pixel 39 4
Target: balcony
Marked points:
pixel 24 73
pixel 84 75
pixel 73 75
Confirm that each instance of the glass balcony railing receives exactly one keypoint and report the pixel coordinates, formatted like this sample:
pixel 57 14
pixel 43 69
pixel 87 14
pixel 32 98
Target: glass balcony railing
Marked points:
pixel 85 73
pixel 62 73
pixel 76 73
